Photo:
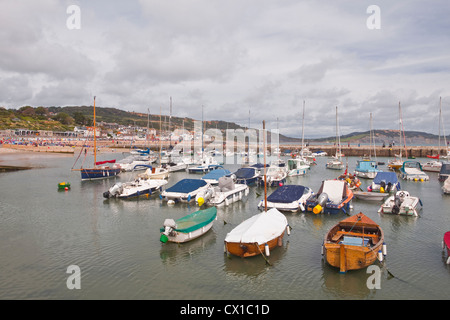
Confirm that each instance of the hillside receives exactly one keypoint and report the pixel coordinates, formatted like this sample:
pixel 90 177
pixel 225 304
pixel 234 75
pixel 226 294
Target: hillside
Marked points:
pixel 66 118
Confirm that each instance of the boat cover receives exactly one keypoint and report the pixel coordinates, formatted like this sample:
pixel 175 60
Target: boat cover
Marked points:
pixel 195 220
pixel 187 185
pixel 245 173
pixel 216 174
pixel 226 184
pixel 445 169
pixel 287 194
pixel 386 177
pixel 259 229
pixel 335 189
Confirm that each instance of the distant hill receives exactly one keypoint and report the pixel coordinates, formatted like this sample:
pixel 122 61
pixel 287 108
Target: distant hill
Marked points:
pixel 51 118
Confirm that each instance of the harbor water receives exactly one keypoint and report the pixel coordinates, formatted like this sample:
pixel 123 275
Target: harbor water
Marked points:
pixel 115 243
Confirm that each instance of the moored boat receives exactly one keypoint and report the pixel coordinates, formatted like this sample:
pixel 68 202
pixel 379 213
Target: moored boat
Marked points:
pixel 432 166
pixel 401 203
pixel 246 175
pixel 225 192
pixel 290 198
pixel 382 186
pixel 188 227
pixel 446 245
pixel 333 196
pixel 184 190
pixel 446 186
pixel 366 169
pixel 297 167
pixel 412 170
pixel 353 243
pixel 444 173
pixel 136 188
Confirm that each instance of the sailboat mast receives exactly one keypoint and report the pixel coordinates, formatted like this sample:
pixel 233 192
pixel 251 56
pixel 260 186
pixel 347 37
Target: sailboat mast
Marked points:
pixel 265 181
pixel 303 127
pixel 440 118
pixel 95 139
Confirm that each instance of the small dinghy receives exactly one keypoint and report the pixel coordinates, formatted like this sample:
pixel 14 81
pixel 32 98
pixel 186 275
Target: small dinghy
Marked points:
pixel 334 196
pixel 446 245
pixel 401 203
pixel 189 227
pixel 288 198
pixel 225 193
pixel 353 243
pixel 260 233
pixel 184 190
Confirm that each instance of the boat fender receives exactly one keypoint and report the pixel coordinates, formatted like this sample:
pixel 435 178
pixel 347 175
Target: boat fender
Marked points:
pixel 266 249
pixel 317 209
pixel 420 201
pixel 189 198
pixel 302 207
pixel 170 202
pixel 380 256
pixel 448 260
pixel 288 230
pixel 381 190
pixel 384 249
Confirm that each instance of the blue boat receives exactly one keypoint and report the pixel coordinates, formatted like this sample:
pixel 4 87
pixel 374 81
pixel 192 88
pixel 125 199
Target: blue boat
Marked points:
pixel 384 184
pixel 213 176
pixel 366 169
pixel 333 196
pixel 184 190
pixel 290 198
pixel 99 172
pixel 246 175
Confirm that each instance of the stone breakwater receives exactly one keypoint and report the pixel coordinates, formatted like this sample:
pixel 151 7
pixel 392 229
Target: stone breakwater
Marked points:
pixel 351 151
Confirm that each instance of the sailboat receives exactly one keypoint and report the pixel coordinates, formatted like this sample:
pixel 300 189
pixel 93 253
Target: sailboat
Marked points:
pixel 396 164
pixel 101 169
pixel 435 165
pixel 368 168
pixel 336 161
pixel 261 232
pixel 299 165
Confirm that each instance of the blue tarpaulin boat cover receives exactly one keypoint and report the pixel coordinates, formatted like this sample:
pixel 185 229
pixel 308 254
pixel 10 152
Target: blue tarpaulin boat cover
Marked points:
pixel 445 169
pixel 286 194
pixel 386 177
pixel 216 174
pixel 245 173
pixel 187 185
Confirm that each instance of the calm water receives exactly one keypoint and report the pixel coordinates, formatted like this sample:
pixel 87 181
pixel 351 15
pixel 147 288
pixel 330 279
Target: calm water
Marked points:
pixel 116 244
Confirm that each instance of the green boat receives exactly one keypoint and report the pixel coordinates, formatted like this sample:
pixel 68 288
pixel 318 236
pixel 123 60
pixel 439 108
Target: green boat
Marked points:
pixel 189 227
pixel 63 186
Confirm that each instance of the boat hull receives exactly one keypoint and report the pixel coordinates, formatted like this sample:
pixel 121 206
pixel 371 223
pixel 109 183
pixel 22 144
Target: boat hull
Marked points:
pixel 245 250
pixel 370 196
pixel 92 174
pixel 181 237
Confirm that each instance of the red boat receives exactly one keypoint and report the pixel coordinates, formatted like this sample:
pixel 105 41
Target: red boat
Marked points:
pixel 446 245
pixel 433 157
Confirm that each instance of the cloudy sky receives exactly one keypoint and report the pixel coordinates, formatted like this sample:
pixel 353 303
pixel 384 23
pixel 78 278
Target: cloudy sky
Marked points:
pixel 235 58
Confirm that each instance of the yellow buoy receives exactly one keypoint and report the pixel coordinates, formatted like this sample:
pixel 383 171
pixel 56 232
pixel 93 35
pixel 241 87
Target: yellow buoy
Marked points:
pixel 201 201
pixel 317 209
pixel 381 190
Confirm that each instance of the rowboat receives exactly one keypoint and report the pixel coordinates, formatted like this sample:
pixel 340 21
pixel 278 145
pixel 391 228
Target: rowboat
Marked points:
pixel 260 233
pixel 446 245
pixel 401 203
pixel 333 196
pixel 353 243
pixel 290 198
pixel 188 227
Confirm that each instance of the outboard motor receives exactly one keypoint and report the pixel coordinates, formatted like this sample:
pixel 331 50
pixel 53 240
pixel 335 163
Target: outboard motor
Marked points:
pixel 397 203
pixel 321 202
pixel 169 225
pixel 114 191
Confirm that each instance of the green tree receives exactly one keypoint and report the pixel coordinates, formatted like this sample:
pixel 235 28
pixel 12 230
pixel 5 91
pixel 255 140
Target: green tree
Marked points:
pixel 64 118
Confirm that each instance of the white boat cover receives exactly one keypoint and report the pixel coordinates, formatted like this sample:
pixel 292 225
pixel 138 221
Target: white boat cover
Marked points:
pixel 334 189
pixel 260 228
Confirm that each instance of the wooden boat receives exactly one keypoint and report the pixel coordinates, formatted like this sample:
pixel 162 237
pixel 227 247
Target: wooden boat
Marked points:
pixel 412 170
pixel 259 233
pixel 290 198
pixel 353 243
pixel 101 169
pixel 446 245
pixel 188 227
pixel 401 203
pixel 333 196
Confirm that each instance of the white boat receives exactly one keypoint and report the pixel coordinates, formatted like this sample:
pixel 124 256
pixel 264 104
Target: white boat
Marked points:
pixel 412 170
pixel 136 188
pixel 432 166
pixel 206 165
pixel 297 167
pixel 129 163
pixel 155 173
pixel 184 190
pixel 290 198
pixel 276 174
pixel 397 162
pixel 446 186
pixel 224 193
pixel 383 185
pixel 173 167
pixel 188 227
pixel 335 162
pixel 402 203
pixel 366 169
pixel 333 196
